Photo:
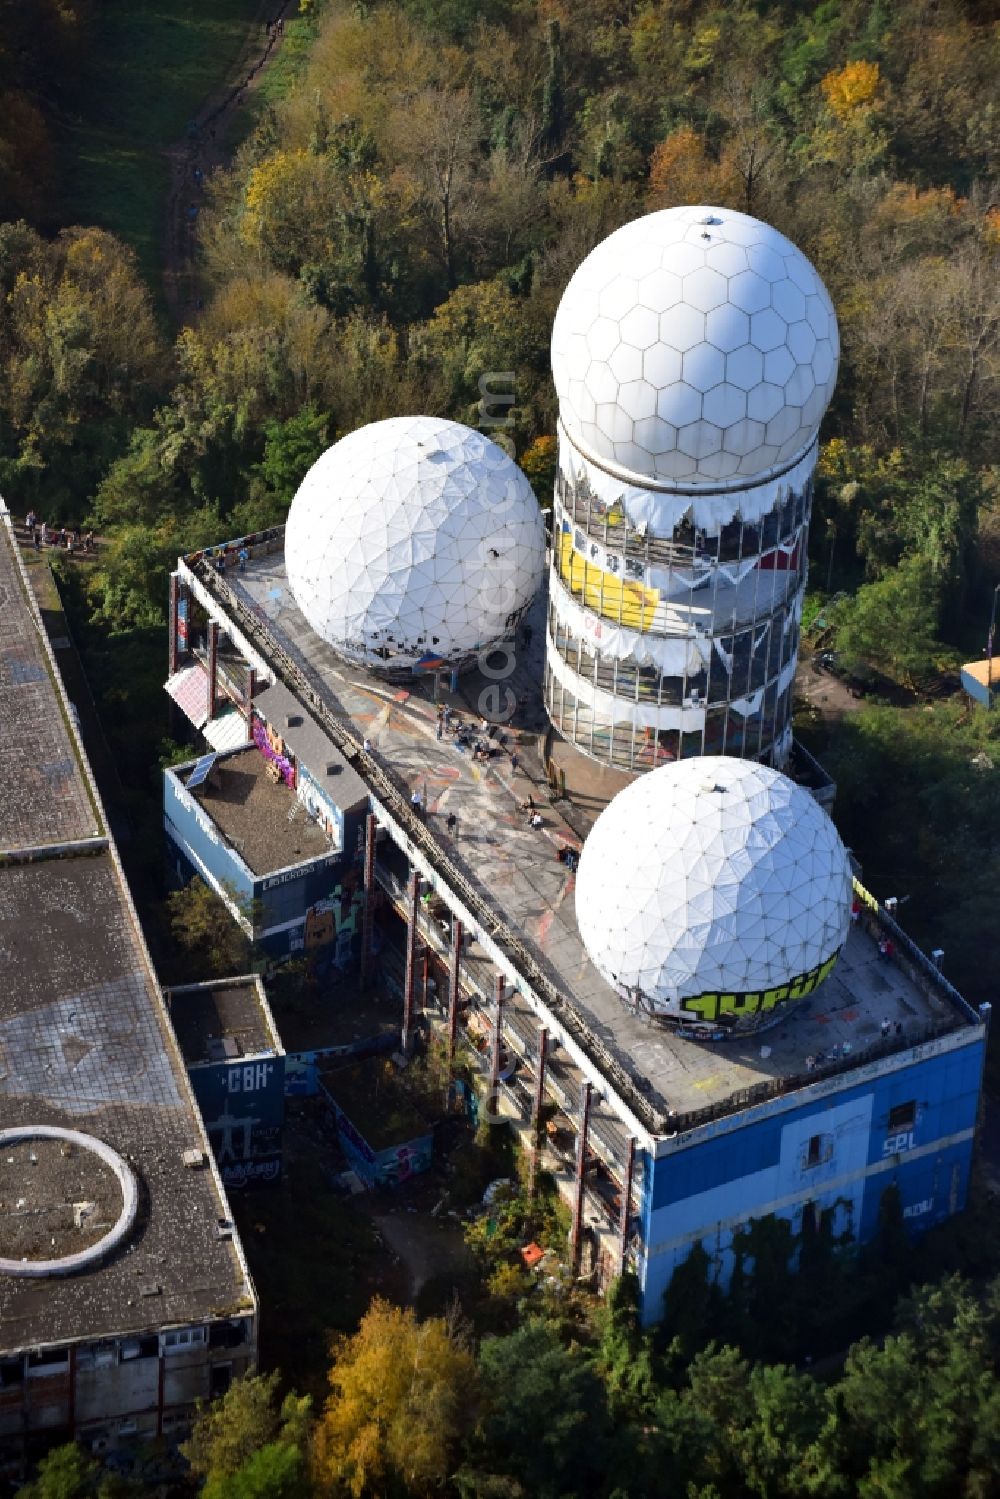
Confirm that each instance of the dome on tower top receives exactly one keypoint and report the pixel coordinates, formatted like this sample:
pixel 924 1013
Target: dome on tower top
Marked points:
pixel 695 348
pixel 414 542
pixel 714 890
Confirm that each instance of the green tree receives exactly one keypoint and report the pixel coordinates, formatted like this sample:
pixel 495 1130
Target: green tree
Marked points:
pixel 692 1304
pixel 81 358
pixel 247 1444
pixel 212 944
pixel 291 448
pixel 68 1473
pixel 545 1419
pixel 65 1473
pixel 891 625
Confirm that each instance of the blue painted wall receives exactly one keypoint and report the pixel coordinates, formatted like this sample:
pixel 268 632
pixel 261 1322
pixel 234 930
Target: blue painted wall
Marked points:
pixel 284 898
pixel 191 829
pixel 838 1152
pixel 243 1106
pixel 380 1168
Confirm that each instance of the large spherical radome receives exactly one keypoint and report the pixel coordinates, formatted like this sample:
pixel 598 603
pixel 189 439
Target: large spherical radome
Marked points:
pixel 707 887
pixel 695 347
pixel 414 540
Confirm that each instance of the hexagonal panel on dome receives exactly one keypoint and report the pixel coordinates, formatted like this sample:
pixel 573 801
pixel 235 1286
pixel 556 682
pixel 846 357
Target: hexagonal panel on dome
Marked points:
pixel 713 877
pixel 414 539
pixel 660 301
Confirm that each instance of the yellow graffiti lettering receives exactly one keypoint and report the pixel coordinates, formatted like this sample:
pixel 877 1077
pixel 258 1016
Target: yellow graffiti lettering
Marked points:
pixel 705 1005
pixel 739 1004
pixel 711 1006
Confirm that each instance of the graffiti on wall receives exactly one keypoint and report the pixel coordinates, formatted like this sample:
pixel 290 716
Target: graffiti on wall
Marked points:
pixel 336 919
pixel 272 747
pixel 246 1173
pixel 243 1106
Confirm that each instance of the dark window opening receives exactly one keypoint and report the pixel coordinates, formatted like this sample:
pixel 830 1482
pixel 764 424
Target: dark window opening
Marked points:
pixel 903 1116
pixel 227 1334
pixel 220 1380
pixel 11 1372
pixel 810 1223
pixel 48 1356
pixel 815 1152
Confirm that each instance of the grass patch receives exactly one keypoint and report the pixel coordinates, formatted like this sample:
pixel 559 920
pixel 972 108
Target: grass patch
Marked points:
pixel 150 69
pixel 291 58
pixel 277 81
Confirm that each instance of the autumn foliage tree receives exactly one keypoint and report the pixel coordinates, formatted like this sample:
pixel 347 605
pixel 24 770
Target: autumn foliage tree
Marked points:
pixel 403 1393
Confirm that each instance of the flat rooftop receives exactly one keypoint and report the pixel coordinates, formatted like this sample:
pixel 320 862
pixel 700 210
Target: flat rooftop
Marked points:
pixel 221 1022
pixel 54 1200
pixel 519 871
pixel 263 819
pixel 311 746
pixel 43 798
pixel 85 1045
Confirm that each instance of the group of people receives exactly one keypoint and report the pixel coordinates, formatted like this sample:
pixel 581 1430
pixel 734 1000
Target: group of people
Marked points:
pixel 70 538
pixel 466 738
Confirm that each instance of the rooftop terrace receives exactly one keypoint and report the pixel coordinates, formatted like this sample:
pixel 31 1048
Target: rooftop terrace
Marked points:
pixel 517 870
pixel 262 818
pixel 84 1040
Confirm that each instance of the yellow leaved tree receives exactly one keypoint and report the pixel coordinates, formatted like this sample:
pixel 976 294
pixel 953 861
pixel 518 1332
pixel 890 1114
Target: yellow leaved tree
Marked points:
pixel 851 88
pixel 403 1395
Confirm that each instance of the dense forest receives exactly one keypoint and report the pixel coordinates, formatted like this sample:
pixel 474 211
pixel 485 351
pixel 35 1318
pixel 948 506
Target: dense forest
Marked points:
pixel 554 1407
pixel 398 221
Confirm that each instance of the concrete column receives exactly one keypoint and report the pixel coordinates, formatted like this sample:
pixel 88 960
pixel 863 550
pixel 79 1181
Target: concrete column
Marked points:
pixel 536 1106
pixel 581 1171
pixel 496 1046
pixel 173 654
pixel 251 693
pixel 456 958
pixel 213 666
pixel 368 912
pixel 626 1213
pixel 412 897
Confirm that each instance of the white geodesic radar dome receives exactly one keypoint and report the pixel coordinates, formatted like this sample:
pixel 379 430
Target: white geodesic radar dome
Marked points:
pixel 412 541
pixel 713 878
pixel 695 347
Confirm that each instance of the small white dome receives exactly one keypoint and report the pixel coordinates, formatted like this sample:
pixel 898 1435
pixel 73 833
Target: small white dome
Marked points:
pixel 710 886
pixel 414 540
pixel 695 347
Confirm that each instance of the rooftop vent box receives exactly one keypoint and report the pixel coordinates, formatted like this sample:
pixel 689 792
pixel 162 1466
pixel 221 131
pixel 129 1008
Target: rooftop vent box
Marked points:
pixel 193 1159
pixel 334 768
pixel 223 1050
pixel 293 720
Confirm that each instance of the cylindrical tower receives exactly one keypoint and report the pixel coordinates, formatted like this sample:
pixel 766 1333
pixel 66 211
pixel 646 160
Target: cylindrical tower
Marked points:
pixel 694 353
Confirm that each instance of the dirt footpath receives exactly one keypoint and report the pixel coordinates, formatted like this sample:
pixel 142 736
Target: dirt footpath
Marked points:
pixel 826 694
pixel 429 1249
pixel 203 149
